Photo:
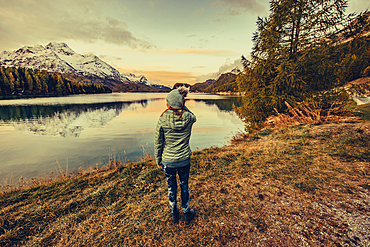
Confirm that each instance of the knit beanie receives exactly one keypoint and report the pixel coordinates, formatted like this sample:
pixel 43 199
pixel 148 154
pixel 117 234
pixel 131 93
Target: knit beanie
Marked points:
pixel 175 99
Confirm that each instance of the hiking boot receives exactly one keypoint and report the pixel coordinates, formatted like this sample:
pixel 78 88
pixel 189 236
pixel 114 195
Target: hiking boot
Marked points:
pixel 175 217
pixel 189 216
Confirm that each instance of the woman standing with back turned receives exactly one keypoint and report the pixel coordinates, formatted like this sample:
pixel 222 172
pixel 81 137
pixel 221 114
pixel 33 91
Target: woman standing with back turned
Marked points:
pixel 172 150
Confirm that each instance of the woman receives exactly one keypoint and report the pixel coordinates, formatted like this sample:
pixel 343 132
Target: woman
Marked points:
pixel 172 150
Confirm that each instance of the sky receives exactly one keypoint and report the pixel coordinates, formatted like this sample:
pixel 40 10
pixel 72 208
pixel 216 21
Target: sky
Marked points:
pixel 167 41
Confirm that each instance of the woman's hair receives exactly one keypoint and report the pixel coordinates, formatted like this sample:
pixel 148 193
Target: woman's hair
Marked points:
pixel 172 99
pixel 183 90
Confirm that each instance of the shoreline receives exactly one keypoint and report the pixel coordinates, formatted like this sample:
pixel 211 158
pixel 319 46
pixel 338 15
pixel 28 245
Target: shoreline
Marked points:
pixel 303 185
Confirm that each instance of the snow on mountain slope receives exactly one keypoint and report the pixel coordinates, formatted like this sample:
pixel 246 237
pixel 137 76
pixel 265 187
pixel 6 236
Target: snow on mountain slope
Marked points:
pixel 36 57
pixel 139 79
pixel 84 64
pixel 59 57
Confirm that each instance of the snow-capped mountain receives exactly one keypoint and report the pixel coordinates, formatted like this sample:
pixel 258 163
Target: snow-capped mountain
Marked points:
pixel 59 57
pixel 140 79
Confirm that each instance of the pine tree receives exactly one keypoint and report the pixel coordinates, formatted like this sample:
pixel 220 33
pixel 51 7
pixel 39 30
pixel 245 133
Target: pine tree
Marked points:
pixel 68 87
pixel 12 82
pixel 8 84
pixel 45 88
pixel 19 83
pixel 44 81
pixel 60 85
pixel 38 85
pixel 29 80
pixel 282 43
pixel 3 82
pixel 295 25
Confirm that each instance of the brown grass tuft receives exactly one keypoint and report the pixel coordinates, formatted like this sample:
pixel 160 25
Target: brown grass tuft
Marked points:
pixel 305 115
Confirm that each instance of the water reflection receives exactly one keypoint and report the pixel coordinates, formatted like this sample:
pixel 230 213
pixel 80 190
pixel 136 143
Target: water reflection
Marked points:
pixel 16 112
pixel 63 120
pixel 225 104
pixel 38 135
pixel 70 120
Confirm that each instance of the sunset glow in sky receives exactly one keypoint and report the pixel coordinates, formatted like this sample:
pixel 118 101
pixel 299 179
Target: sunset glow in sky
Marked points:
pixel 168 41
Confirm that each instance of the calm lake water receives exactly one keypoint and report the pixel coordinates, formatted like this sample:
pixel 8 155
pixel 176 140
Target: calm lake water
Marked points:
pixel 43 135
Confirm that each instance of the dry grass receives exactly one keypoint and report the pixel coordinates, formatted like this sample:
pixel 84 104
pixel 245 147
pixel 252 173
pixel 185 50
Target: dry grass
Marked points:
pixel 299 186
pixel 305 115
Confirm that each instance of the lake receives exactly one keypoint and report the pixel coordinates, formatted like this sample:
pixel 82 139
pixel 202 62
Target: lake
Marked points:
pixel 43 135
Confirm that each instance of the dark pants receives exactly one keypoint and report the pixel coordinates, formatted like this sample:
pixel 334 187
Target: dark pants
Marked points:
pixel 172 186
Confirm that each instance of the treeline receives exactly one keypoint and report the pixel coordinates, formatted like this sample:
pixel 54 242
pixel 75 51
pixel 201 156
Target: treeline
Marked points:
pixel 134 87
pixel 22 81
pixel 295 59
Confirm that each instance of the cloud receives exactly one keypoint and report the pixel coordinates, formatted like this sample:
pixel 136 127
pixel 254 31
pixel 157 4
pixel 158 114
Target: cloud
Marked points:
pixel 237 7
pixel 202 43
pixel 199 11
pixel 226 67
pixel 109 58
pixel 112 60
pixel 164 77
pixel 199 51
pixel 203 78
pixel 358 6
pixel 41 21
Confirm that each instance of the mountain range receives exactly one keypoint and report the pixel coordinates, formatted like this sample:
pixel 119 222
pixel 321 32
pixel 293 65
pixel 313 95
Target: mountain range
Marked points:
pixel 60 58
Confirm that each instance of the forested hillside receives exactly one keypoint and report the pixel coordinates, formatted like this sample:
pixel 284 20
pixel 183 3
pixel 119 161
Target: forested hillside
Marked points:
pixel 200 87
pixel 225 83
pixel 21 81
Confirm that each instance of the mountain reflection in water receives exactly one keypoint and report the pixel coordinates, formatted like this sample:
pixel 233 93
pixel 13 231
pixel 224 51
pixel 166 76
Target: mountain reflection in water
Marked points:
pixel 71 120
pixel 39 135
pixel 63 120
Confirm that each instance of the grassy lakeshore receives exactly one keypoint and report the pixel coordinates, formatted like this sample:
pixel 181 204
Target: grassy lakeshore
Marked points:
pixel 300 186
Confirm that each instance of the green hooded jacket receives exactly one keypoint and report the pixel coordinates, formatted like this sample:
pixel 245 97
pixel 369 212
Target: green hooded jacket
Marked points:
pixel 172 135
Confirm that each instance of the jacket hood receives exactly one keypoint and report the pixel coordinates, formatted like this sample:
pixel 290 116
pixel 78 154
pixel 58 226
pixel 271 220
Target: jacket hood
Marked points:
pixel 173 121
